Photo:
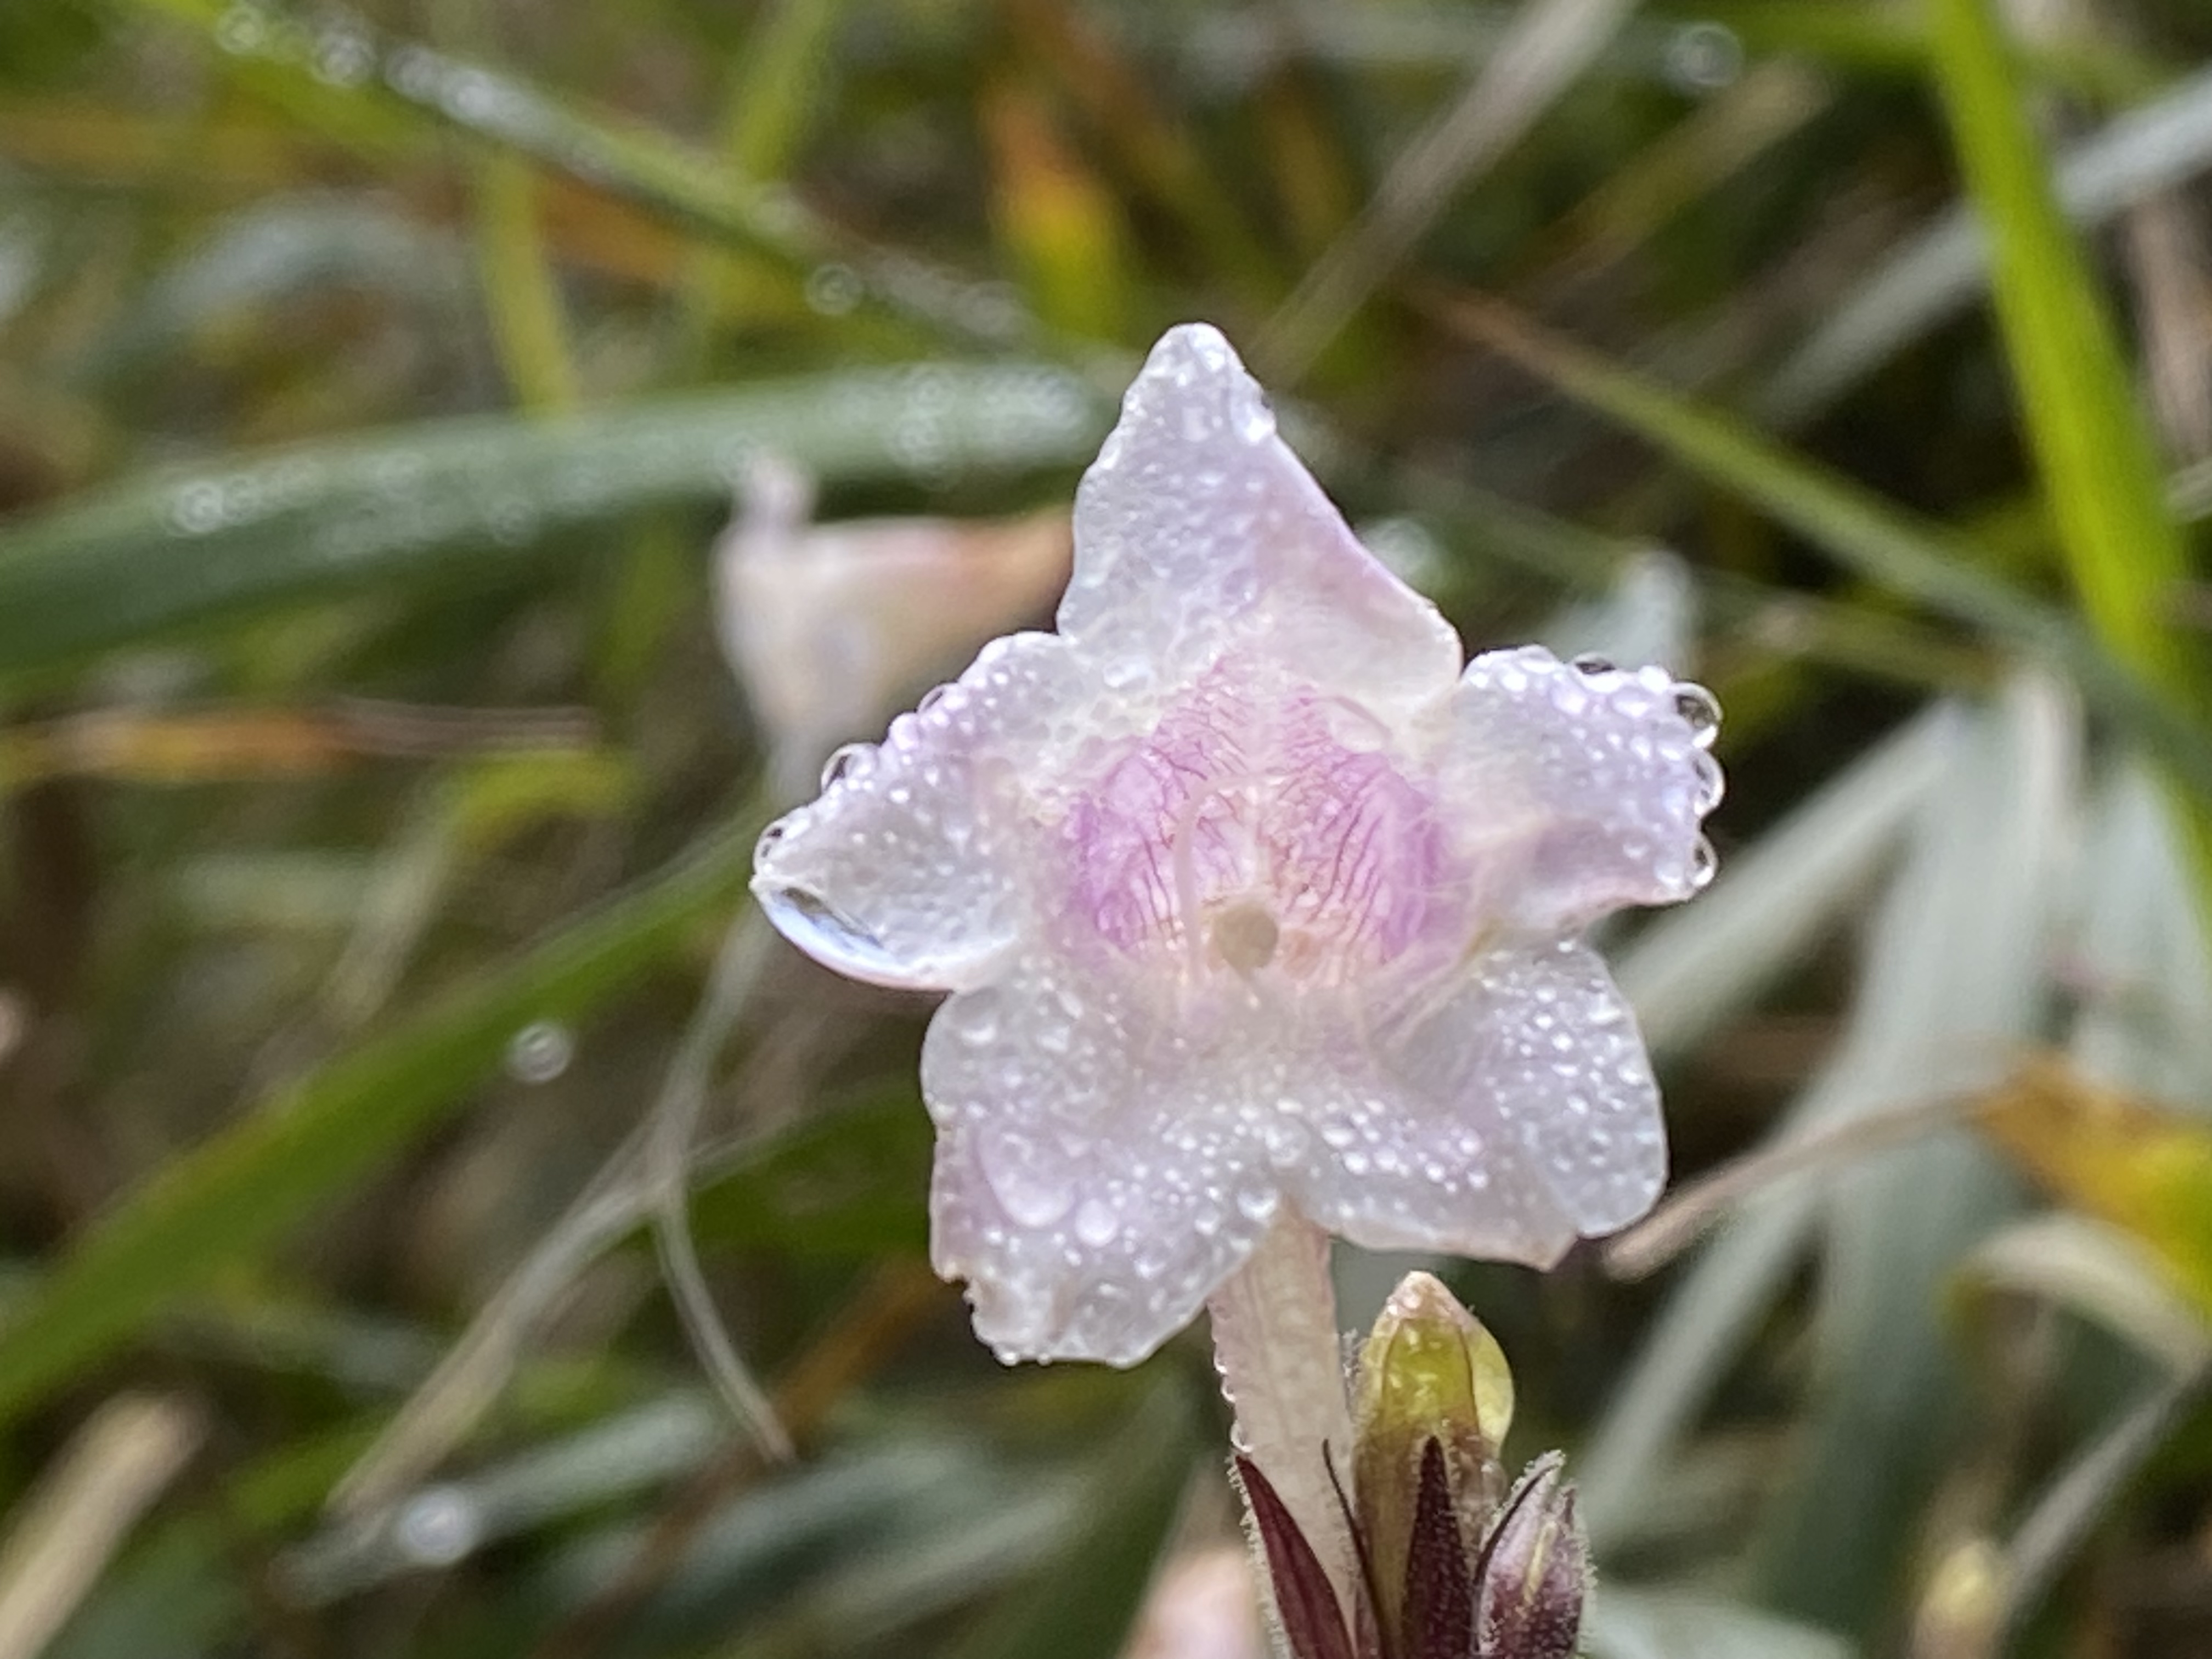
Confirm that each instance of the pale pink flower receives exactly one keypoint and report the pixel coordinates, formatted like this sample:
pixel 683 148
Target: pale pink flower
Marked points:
pixel 831 627
pixel 1248 897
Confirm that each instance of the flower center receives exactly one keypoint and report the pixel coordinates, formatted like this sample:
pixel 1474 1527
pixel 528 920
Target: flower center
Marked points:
pixel 1249 832
pixel 1244 936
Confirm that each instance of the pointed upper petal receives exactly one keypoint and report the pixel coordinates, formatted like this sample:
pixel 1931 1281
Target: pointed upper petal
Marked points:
pixel 1197 521
pixel 1581 790
pixel 916 867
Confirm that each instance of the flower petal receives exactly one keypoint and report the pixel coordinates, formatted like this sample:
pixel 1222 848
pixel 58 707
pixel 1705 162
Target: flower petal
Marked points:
pixel 1091 1190
pixel 1544 1034
pixel 1581 789
pixel 914 869
pixel 1505 1122
pixel 1414 1152
pixel 1197 520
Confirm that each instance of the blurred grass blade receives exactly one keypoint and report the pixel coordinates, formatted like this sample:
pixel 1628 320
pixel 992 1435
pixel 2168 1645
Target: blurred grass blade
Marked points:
pixel 2140 951
pixel 237 1193
pixel 521 290
pixel 1692 968
pixel 1937 273
pixel 1084 1604
pixel 1544 51
pixel 2069 1510
pixel 1986 897
pixel 779 83
pixel 439 499
pixel 1630 1624
pixel 1647 614
pixel 2100 465
pixel 1943 977
pixel 65 1531
pixel 2106 1274
pixel 368 105
pixel 2097 456
pixel 1882 541
pixel 276 254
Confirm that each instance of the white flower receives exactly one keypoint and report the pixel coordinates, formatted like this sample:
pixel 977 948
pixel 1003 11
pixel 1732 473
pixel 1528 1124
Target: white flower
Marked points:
pixel 1248 897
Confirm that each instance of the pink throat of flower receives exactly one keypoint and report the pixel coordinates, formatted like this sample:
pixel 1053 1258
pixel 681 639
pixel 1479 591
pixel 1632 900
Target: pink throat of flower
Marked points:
pixel 1259 831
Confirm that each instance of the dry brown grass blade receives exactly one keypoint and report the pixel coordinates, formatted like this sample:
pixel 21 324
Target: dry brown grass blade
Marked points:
pixel 1695 1208
pixel 895 1301
pixel 71 1524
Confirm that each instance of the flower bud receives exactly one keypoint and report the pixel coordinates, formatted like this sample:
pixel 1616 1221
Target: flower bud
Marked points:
pixel 1429 1374
pixel 1535 1571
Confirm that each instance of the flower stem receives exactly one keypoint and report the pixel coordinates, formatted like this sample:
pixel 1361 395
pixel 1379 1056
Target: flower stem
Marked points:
pixel 1281 1359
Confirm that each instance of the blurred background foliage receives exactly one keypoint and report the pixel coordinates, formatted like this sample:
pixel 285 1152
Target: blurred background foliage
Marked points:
pixel 376 790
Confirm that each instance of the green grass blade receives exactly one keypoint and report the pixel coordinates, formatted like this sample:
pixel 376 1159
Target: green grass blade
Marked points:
pixel 521 288
pixel 2095 450
pixel 239 1193
pixel 426 502
pixel 2099 461
pixel 392 87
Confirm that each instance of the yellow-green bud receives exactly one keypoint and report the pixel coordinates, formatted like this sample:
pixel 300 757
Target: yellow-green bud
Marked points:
pixel 1429 1371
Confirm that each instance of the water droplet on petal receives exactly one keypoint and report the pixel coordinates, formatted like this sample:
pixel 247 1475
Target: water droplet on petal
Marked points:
pixel 1699 710
pixel 1287 1144
pixel 1032 1195
pixel 852 761
pixel 1095 1224
pixel 1258 1204
pixel 835 941
pixel 1704 863
pixel 1593 664
pixel 1710 784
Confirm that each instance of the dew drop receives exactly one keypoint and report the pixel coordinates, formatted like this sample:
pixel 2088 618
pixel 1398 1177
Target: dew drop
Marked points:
pixel 1255 422
pixel 1032 1197
pixel 438 1526
pixel 835 941
pixel 242 30
pixel 539 1051
pixel 833 290
pixel 852 761
pixel 1711 785
pixel 1704 864
pixel 1258 1204
pixel 1095 1224
pixel 1287 1144
pixel 1704 56
pixel 1700 711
